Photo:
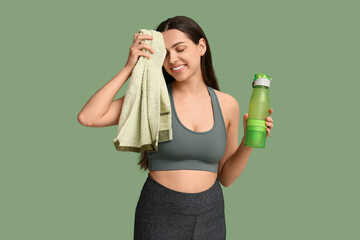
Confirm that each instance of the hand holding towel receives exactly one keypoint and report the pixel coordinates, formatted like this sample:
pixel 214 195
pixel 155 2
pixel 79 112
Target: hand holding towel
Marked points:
pixel 145 117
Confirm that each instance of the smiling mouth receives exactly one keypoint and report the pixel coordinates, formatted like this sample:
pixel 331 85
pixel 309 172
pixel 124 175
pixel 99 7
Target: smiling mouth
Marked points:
pixel 178 69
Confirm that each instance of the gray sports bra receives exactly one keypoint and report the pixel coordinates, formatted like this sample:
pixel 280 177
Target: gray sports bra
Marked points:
pixel 189 149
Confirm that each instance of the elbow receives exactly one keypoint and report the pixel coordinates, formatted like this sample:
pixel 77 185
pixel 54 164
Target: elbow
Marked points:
pixel 83 120
pixel 222 180
pixel 225 184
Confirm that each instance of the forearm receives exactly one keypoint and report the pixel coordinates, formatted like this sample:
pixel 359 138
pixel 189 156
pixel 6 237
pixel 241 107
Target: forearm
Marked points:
pixel 234 166
pixel 100 102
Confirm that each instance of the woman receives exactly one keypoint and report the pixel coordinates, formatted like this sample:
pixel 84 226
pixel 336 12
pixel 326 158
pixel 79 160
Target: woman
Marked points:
pixel 182 197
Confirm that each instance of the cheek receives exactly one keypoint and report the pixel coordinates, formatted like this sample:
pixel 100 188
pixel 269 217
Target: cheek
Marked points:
pixel 165 65
pixel 167 68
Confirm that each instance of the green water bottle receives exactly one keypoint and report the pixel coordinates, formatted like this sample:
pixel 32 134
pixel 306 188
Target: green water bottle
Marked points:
pixel 258 112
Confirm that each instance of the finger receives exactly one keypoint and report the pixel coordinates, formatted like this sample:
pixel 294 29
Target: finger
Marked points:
pixel 138 39
pixel 269 119
pixel 135 35
pixel 270 125
pixel 271 111
pixel 142 53
pixel 145 36
pixel 147 46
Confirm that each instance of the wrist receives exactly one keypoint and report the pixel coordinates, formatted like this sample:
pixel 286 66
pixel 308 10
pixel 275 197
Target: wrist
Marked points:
pixel 127 70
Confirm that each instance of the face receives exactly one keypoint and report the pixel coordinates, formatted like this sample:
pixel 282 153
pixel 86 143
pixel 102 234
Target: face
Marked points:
pixel 180 50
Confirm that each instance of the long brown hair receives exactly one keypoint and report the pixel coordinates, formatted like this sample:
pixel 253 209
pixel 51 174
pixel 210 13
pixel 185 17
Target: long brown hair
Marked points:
pixel 194 32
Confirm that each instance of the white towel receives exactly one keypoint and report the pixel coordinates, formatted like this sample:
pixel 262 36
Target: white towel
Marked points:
pixel 145 117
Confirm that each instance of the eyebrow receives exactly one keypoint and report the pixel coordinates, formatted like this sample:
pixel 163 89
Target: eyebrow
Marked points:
pixel 175 44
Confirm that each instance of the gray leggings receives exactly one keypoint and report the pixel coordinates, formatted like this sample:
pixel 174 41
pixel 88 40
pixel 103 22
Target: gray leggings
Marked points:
pixel 162 213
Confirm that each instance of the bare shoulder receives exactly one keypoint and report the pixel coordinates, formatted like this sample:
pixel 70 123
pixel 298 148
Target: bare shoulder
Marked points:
pixel 229 105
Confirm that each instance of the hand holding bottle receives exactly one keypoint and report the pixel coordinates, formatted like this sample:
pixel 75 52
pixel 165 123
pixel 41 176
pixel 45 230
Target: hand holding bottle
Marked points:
pixel 269 122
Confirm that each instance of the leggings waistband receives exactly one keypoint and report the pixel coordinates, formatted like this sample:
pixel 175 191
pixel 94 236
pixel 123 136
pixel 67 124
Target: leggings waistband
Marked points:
pixel 181 202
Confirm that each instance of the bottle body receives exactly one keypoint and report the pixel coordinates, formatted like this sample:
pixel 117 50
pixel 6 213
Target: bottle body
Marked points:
pixel 258 112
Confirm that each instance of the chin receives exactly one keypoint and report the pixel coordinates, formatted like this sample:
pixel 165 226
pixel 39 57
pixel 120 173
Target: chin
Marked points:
pixel 181 79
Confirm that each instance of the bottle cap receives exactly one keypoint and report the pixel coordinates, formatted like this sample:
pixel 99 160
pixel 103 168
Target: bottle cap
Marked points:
pixel 261 79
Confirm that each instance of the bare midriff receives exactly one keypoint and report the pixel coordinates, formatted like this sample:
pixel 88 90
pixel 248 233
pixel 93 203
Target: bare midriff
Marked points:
pixel 187 181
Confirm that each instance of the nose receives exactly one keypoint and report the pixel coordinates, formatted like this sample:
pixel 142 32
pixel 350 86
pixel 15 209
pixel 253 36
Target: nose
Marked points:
pixel 172 59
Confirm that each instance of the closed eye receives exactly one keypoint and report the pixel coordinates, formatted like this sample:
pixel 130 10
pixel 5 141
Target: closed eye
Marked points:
pixel 167 53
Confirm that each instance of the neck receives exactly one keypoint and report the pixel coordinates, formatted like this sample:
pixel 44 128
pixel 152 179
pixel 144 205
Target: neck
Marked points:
pixel 192 87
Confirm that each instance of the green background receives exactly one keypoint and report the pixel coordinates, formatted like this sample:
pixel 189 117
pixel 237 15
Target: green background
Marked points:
pixel 61 180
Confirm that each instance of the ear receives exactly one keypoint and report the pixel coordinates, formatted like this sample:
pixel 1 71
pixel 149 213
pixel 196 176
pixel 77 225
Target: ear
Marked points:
pixel 202 46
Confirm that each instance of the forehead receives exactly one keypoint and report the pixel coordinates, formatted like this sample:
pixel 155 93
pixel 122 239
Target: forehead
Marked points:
pixel 174 36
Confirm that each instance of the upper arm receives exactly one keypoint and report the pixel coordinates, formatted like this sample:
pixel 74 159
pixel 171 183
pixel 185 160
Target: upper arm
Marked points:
pixel 233 113
pixel 112 116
